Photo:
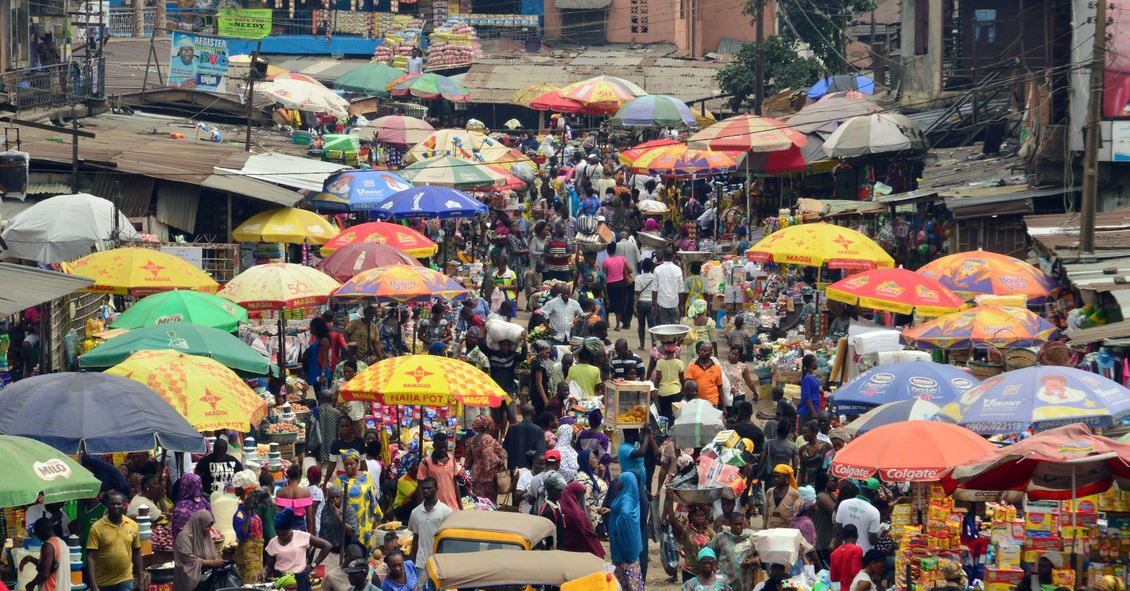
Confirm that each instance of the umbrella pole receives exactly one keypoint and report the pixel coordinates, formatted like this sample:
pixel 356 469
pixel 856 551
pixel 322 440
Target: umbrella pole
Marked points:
pixel 1074 514
pixel 282 346
pixel 421 429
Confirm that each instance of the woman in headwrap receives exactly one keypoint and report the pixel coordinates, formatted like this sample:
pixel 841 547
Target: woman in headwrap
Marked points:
pixel 485 459
pixel 248 527
pixel 625 535
pixel 580 536
pixel 288 552
pixel 190 500
pixel 194 551
pixel 694 532
pixel 360 492
pixel 593 437
pixel 802 518
pixel 554 485
pixel 406 485
pixel 596 489
pixel 780 502
pixel 569 464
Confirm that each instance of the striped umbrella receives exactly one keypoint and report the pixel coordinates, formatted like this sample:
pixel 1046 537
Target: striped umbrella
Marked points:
pixel 656 109
pixel 401 283
pixel 748 133
pixel 983 326
pixel 429 86
pixel 530 93
pixel 398 130
pixel 446 171
pixel 629 156
pixel 371 79
pixel 394 235
pixel 458 143
pixel 679 161
pixel 553 101
pixel 602 89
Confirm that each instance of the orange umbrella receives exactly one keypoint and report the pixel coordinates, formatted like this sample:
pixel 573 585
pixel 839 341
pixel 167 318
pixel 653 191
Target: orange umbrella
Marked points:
pixel 387 233
pixel 912 451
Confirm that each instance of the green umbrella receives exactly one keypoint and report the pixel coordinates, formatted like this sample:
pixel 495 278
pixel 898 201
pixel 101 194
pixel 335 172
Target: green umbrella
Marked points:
pixel 370 79
pixel 183 306
pixel 445 171
pixel 190 339
pixel 31 467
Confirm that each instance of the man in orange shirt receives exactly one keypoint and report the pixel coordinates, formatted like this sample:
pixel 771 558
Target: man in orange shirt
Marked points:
pixel 707 374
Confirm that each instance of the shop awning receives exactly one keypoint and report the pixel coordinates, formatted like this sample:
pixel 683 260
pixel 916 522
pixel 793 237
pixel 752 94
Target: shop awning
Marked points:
pixel 36 286
pixel 302 174
pixel 241 185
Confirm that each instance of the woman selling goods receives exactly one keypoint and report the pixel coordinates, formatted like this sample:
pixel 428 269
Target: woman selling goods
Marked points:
pixel 194 552
pixel 361 493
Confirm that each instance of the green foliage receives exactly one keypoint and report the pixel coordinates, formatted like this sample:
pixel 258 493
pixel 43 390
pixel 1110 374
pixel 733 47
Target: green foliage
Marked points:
pixel 784 68
pixel 818 24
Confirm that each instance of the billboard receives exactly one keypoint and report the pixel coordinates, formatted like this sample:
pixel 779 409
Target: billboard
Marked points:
pixel 1116 77
pixel 245 23
pixel 198 61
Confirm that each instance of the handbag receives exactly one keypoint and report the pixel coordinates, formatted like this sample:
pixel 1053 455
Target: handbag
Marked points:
pixel 225 577
pixel 504 481
pixel 669 551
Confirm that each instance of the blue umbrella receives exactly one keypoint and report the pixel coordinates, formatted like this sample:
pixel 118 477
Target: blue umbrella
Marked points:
pixel 430 202
pixel 906 380
pixel 358 190
pixel 1041 398
pixel 96 412
pixel 841 83
pixel 897 412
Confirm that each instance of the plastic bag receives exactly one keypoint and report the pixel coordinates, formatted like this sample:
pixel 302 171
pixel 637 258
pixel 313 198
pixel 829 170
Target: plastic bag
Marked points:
pixel 225 577
pixel 669 551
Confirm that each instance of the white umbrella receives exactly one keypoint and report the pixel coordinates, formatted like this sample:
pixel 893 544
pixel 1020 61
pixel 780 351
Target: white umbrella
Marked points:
pixel 303 96
pixel 874 134
pixel 63 228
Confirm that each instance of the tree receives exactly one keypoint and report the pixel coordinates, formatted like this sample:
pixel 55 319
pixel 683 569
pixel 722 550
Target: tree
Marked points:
pixel 784 68
pixel 819 24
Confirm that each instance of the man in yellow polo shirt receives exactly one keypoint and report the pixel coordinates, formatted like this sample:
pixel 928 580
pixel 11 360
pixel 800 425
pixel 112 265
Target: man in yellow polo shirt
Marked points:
pixel 113 549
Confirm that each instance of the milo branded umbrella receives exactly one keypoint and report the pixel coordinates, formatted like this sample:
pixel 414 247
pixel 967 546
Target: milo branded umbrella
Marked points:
pixel 31 468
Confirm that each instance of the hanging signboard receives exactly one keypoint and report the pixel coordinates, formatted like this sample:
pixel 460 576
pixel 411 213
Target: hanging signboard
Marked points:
pixel 198 61
pixel 245 23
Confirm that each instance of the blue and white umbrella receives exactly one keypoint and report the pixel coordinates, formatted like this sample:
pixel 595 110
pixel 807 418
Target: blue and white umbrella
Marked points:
pixel 430 202
pixel 906 380
pixel 1041 398
pixel 897 412
pixel 358 190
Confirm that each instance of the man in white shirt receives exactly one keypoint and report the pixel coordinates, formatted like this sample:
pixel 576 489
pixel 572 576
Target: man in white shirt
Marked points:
pixel 669 279
pixel 415 63
pixel 426 520
pixel 861 513
pixel 560 313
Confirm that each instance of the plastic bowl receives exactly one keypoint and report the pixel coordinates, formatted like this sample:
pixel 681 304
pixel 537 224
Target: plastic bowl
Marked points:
pixel 670 333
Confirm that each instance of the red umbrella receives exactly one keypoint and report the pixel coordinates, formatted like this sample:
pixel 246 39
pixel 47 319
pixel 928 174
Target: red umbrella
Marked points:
pixel 353 258
pixel 629 156
pixel 780 162
pixel 553 101
pixel 914 451
pixel 1063 463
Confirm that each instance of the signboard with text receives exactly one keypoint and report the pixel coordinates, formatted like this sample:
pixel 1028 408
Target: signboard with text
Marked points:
pixel 244 23
pixel 198 61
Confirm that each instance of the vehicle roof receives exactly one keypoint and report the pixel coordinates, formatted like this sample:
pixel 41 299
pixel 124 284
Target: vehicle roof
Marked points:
pixel 533 528
pixel 511 567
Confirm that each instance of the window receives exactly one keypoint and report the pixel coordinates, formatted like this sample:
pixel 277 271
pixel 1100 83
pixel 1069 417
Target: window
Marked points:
pixel 639 16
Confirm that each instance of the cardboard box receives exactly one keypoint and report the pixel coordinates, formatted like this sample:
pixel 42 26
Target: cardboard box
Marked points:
pixel 727 438
pixel 1033 548
pixel 1009 578
pixel 1008 556
pixel 1041 525
pixel 1088 504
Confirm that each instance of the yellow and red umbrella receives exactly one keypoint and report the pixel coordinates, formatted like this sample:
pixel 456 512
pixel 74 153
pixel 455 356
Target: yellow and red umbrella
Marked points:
pixel 424 380
pixel 816 245
pixel 279 286
pixel 895 290
pixel 532 92
pixel 286 224
pixel 628 157
pixel 978 272
pixel 678 161
pixel 401 283
pixel 389 234
pixel 983 326
pixel 138 272
pixel 748 133
pixel 602 90
pixel 208 395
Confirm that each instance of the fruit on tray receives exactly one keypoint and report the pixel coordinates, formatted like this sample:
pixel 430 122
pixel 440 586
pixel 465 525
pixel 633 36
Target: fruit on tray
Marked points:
pixel 281 428
pixel 295 407
pixel 637 414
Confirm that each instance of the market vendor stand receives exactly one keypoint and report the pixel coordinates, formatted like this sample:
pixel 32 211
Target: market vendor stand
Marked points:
pixel 626 406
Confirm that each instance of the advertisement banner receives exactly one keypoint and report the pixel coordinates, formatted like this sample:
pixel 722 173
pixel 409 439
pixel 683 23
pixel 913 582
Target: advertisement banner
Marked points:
pixel 198 61
pixel 245 23
pixel 1116 77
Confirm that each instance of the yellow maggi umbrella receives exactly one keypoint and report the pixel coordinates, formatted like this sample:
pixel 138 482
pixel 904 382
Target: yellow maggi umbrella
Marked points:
pixel 139 271
pixel 816 245
pixel 279 286
pixel 286 224
pixel 208 395
pixel 424 380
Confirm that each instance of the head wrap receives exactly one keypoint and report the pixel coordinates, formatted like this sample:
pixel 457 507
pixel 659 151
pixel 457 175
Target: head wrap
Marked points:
pixel 285 519
pixel 408 463
pixel 287 580
pixel 482 424
pixel 333 489
pixel 569 464
pixel 696 307
pixel 788 471
pixel 625 537
pixel 192 547
pixel 554 481
pixel 245 479
pixel 437 348
pixel 583 463
pixel 840 433
pixel 806 501
pixel 707 552
pixel 595 418
pixel 350 453
pixel 650 225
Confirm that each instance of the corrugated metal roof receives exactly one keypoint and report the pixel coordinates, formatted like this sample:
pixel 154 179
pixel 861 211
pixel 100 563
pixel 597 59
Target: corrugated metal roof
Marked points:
pixel 247 186
pixel 36 286
pixel 1085 336
pixel 303 174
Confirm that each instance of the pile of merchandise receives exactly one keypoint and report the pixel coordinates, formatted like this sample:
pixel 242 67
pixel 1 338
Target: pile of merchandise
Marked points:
pixel 401 34
pixel 455 43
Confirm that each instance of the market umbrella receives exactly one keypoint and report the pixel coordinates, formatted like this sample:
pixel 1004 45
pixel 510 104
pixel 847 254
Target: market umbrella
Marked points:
pixel 202 309
pixel 748 133
pixel 896 412
pixel 430 202
pixel 602 90
pixel 982 326
pixel 978 272
pixel 292 76
pixel 397 130
pixel 906 380
pixel 95 413
pixel 895 290
pixel 279 286
pixel 210 396
pixel 286 224
pixel 401 283
pixel 553 101
pixel 628 157
pixel 458 143
pixel 139 271
pixel 841 83
pixel 429 86
pixel 528 94
pixel 358 190
pixel 32 468
pixel 1067 462
pixel 424 380
pixel 510 183
pixel 371 79
pixel 1040 398
pixel 654 110
pixel 304 96
pixel 819 244
pixel 395 235
pixel 512 124
pixel 827 114
pixel 916 451
pixel 63 228
pixel 679 162
pixel 354 258
pixel 877 133
pixel 179 336
pixel 510 160
pixel 446 171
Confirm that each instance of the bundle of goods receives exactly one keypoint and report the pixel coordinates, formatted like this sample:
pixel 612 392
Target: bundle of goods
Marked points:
pixel 385 416
pixel 717 472
pixel 401 34
pixel 454 43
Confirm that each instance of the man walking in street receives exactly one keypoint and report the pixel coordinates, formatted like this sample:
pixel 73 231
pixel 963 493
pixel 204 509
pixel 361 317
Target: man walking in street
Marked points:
pixel 113 549
pixel 669 279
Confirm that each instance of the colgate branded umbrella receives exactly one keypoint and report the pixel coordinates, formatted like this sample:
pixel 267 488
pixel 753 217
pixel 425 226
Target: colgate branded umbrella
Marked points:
pixel 916 451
